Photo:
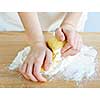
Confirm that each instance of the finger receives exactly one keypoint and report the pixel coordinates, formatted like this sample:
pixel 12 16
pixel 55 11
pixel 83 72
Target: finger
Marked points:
pixel 76 40
pixel 70 52
pixel 65 48
pixel 23 70
pixel 70 39
pixel 78 43
pixel 30 70
pixel 48 60
pixel 59 34
pixel 37 68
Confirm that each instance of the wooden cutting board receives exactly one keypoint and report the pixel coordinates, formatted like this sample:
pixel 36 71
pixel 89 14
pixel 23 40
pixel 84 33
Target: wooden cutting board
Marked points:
pixel 12 42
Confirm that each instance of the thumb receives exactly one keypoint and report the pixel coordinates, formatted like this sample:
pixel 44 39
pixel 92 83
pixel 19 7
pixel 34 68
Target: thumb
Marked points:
pixel 48 60
pixel 59 34
pixel 70 39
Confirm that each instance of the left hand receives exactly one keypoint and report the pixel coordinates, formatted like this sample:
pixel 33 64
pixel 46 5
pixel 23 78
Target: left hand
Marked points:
pixel 74 41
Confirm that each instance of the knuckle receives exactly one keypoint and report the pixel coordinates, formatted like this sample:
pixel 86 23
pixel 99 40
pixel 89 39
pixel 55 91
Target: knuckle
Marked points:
pixel 37 60
pixel 35 73
pixel 24 63
pixel 21 71
pixel 28 73
pixel 31 59
pixel 58 32
pixel 25 76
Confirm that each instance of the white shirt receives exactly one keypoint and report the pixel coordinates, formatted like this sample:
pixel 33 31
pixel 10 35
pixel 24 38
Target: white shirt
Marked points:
pixel 10 21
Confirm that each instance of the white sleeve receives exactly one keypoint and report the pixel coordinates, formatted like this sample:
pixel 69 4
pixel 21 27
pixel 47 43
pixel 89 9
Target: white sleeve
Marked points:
pixel 10 21
pixel 81 24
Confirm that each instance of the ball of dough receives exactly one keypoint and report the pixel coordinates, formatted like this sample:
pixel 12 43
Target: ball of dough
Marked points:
pixel 54 43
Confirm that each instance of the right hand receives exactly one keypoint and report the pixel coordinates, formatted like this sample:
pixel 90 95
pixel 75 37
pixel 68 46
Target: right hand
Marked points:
pixel 74 40
pixel 39 56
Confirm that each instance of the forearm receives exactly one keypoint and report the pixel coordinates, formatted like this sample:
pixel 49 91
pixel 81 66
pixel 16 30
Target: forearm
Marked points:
pixel 32 26
pixel 72 19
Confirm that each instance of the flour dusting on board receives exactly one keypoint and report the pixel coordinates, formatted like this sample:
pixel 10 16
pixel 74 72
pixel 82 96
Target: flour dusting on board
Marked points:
pixel 71 68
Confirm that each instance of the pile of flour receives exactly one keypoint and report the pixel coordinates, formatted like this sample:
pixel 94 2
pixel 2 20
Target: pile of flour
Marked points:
pixel 75 67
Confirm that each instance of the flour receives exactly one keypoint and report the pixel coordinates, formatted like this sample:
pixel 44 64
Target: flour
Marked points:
pixel 71 68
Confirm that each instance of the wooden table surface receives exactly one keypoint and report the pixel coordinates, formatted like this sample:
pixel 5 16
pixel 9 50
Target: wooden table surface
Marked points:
pixel 12 42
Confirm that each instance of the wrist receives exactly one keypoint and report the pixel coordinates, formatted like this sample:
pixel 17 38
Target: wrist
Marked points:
pixel 67 27
pixel 37 42
pixel 35 38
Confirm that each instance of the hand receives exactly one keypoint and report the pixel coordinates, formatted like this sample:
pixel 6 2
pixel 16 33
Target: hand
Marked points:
pixel 39 56
pixel 74 41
